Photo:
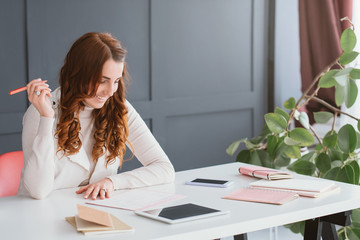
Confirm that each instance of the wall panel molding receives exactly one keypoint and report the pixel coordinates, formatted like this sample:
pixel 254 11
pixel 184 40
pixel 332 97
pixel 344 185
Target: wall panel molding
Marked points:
pixel 198 67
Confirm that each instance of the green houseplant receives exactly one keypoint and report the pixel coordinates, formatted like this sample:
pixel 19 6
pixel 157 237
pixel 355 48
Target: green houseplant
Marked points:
pixel 334 156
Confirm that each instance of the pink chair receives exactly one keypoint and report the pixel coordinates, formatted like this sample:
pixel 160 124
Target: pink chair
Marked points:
pixel 11 164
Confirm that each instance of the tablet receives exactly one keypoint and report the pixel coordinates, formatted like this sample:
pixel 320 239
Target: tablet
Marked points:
pixel 180 213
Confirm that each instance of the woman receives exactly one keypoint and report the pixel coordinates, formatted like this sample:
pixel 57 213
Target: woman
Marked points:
pixel 77 135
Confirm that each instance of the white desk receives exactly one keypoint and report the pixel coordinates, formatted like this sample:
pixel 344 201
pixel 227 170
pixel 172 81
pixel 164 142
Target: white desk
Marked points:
pixel 25 218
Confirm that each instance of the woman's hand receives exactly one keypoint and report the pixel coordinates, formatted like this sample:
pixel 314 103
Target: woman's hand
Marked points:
pixel 38 91
pixel 103 188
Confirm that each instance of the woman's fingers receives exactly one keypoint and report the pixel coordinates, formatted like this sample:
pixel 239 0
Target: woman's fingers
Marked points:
pixel 36 87
pixel 38 91
pixel 81 190
pixel 88 191
pixel 95 192
pixel 102 193
pixel 102 188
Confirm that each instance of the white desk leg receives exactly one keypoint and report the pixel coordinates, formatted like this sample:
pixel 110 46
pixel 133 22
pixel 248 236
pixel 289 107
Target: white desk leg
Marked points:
pixel 273 233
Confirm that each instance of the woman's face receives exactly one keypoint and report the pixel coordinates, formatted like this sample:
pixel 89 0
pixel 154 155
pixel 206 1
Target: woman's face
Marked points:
pixel 111 75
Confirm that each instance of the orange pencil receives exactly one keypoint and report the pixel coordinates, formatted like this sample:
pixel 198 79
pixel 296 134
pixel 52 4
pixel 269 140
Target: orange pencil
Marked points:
pixel 17 90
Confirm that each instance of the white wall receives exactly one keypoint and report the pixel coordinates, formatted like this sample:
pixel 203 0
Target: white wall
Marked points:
pixel 355 109
pixel 287 78
pixel 287 55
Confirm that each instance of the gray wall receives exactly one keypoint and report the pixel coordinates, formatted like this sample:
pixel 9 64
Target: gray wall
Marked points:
pixel 198 67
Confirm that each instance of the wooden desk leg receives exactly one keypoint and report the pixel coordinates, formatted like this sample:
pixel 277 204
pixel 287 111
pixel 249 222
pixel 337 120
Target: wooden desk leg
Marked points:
pixel 313 229
pixel 325 226
pixel 241 237
pixel 329 231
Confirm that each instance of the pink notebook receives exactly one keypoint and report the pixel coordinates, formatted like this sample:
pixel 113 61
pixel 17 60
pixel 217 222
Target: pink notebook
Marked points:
pixel 262 196
pixel 265 173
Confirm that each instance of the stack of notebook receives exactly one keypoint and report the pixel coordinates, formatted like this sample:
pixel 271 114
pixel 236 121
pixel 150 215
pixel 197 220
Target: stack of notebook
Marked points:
pixel 282 190
pixel 262 196
pixel 91 221
pixel 304 187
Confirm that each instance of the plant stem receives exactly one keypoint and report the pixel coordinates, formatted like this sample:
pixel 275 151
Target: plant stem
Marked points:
pixel 316 79
pixel 308 98
pixel 316 135
pixel 348 19
pixel 336 110
pixel 333 124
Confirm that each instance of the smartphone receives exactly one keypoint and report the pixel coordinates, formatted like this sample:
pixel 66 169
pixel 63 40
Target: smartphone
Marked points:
pixel 210 182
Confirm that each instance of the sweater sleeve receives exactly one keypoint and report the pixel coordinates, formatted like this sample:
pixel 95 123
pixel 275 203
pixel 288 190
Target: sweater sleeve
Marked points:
pixel 157 168
pixel 38 148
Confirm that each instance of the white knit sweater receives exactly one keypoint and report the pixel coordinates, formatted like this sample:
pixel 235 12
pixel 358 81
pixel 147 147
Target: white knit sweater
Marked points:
pixel 45 170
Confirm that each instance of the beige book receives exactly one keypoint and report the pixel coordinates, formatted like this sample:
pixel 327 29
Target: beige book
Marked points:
pixel 91 221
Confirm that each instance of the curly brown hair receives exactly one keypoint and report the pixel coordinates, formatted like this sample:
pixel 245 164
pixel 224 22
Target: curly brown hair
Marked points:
pixel 79 79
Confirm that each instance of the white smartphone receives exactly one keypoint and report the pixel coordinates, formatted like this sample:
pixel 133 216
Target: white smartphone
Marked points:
pixel 210 182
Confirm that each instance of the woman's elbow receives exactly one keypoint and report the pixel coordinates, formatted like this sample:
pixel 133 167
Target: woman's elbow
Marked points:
pixel 170 176
pixel 36 191
pixel 39 196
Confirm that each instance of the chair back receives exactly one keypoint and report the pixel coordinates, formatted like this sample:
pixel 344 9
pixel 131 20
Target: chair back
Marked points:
pixel 11 164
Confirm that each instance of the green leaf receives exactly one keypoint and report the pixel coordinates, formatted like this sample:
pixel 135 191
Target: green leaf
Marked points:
pixel 347 139
pixel 346 175
pixel 348 57
pixel 336 163
pixel 322 117
pixel 234 146
pixel 348 40
pixel 355 216
pixel 330 140
pixel 318 147
pixel 292 152
pixel 327 80
pixel 256 140
pixel 323 162
pixel 356 169
pixel 353 233
pixel 304 120
pixel 276 122
pixel 298 227
pixel 302 136
pixel 259 158
pixel 281 161
pixel 290 103
pixel 352 92
pixel 358 125
pixel 264 133
pixel 358 140
pixel 309 157
pixel 303 167
pixel 342 174
pixel 342 76
pixel 339 94
pixel 332 173
pixel 355 73
pixel 243 156
pixel 271 145
pixel 336 154
pixel 250 145
pixel 291 142
pixel 282 113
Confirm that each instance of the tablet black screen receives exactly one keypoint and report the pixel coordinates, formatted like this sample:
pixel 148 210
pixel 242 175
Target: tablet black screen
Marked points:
pixel 185 210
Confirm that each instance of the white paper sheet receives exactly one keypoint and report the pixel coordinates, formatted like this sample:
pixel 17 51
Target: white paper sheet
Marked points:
pixel 136 199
